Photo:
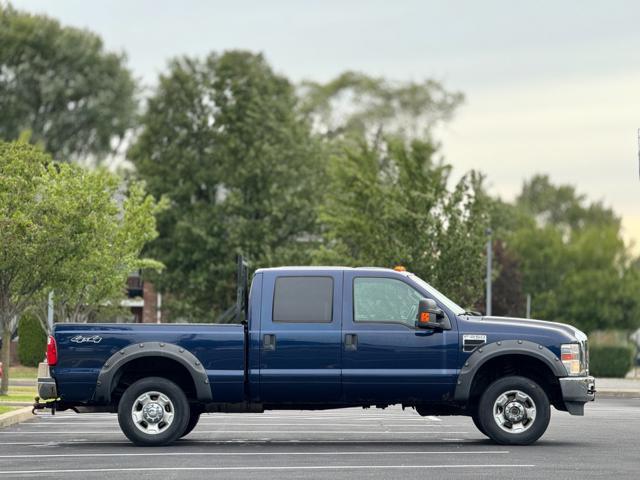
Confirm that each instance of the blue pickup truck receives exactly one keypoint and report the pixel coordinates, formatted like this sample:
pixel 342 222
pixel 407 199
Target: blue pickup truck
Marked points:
pixel 320 338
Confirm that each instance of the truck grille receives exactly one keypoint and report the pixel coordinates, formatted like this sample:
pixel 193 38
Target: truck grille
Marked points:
pixel 584 347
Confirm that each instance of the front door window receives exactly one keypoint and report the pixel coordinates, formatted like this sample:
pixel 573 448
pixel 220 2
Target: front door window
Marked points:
pixel 384 300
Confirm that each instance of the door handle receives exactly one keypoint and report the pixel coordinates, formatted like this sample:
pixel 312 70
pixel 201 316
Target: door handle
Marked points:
pixel 350 342
pixel 269 341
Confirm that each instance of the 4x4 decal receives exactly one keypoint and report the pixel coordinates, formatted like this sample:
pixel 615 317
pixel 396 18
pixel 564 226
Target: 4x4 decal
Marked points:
pixel 83 339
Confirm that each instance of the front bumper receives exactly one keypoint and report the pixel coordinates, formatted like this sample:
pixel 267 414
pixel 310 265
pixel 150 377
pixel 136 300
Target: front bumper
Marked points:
pixel 47 389
pixel 576 391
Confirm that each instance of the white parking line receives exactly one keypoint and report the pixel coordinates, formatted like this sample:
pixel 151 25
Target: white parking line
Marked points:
pixel 41 427
pixel 50 443
pixel 237 454
pixel 247 468
pixel 213 421
pixel 103 432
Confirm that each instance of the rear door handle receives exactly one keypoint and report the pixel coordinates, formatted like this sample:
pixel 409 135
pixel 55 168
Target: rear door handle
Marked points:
pixel 350 341
pixel 269 341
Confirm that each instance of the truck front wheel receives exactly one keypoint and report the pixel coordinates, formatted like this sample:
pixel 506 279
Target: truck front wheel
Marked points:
pixel 153 411
pixel 476 421
pixel 191 424
pixel 514 411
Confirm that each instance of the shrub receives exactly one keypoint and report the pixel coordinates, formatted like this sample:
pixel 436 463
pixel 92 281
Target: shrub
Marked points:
pixel 610 360
pixel 32 341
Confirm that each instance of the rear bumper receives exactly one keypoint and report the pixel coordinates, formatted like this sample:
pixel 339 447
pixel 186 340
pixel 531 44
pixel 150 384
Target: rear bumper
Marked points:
pixel 576 391
pixel 47 389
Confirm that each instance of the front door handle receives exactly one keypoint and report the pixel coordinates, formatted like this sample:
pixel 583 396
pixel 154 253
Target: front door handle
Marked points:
pixel 350 342
pixel 269 341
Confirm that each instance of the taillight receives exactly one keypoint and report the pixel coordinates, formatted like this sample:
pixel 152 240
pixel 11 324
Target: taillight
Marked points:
pixel 52 351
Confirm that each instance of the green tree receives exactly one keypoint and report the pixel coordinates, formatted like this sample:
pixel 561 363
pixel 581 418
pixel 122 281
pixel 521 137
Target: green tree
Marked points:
pixel 571 257
pixel 562 206
pixel 121 221
pixel 60 84
pixel 32 340
pixel 66 229
pixel 356 106
pixel 387 199
pixel 222 139
pixel 598 289
pixel 508 299
pixel 391 205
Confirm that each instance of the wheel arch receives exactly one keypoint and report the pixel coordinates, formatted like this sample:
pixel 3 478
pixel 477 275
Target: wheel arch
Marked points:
pixel 166 352
pixel 505 352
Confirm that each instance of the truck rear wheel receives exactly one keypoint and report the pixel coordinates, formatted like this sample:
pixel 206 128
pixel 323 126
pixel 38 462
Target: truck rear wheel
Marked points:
pixel 153 411
pixel 514 411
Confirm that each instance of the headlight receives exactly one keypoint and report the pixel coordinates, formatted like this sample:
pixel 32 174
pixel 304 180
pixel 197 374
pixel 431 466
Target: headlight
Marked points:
pixel 573 359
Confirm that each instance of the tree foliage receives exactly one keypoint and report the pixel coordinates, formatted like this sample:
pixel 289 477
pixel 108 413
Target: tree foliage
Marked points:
pixel 572 258
pixel 120 221
pixel 222 139
pixel 32 340
pixel 387 199
pixel 67 229
pixel 393 206
pixel 561 206
pixel 60 84
pixel 356 105
pixel 508 298
pixel 227 140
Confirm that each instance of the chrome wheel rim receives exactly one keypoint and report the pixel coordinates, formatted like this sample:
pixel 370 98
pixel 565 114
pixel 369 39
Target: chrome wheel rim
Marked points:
pixel 152 412
pixel 514 411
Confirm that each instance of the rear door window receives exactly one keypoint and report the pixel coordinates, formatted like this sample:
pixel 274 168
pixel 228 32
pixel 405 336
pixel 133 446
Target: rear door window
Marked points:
pixel 303 300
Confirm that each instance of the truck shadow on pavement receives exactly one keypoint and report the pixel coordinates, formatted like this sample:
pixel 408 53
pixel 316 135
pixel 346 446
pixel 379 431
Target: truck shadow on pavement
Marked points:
pixel 396 445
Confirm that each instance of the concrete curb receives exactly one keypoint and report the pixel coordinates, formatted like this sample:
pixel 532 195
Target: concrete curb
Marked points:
pixel 23 383
pixel 16 416
pixel 616 393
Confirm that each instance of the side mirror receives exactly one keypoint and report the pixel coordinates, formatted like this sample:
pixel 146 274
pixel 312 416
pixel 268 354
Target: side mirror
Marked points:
pixel 430 316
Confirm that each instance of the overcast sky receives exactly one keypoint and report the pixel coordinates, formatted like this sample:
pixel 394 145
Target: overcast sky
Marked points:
pixel 551 86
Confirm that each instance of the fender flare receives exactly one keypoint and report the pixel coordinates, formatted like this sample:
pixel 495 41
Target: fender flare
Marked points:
pixel 489 351
pixel 181 355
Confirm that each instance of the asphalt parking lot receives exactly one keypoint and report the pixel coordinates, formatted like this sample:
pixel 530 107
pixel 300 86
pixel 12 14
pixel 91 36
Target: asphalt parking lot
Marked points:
pixel 336 444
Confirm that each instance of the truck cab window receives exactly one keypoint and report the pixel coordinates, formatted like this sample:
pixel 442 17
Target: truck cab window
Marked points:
pixel 384 300
pixel 303 300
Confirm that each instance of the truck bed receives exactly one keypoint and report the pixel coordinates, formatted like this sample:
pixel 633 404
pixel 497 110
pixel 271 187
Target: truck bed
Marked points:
pixel 83 349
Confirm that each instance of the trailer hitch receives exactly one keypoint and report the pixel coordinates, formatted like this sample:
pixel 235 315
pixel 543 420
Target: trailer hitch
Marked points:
pixel 54 405
pixel 38 405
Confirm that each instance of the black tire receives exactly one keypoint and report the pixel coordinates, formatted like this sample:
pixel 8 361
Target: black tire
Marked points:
pixel 476 422
pixel 533 429
pixel 191 424
pixel 178 405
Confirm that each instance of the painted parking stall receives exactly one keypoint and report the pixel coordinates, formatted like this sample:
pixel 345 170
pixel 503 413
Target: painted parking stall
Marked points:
pixel 351 443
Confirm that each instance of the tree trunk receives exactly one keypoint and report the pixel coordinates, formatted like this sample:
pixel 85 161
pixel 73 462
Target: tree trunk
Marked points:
pixel 5 357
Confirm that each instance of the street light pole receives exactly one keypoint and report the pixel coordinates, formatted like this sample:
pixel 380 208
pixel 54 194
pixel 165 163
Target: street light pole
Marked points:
pixel 50 311
pixel 489 264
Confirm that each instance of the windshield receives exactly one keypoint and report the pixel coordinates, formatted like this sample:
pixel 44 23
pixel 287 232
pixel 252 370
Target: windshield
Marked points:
pixel 450 304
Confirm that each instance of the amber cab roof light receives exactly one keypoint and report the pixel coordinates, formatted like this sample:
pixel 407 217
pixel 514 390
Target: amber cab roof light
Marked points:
pixel 399 268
